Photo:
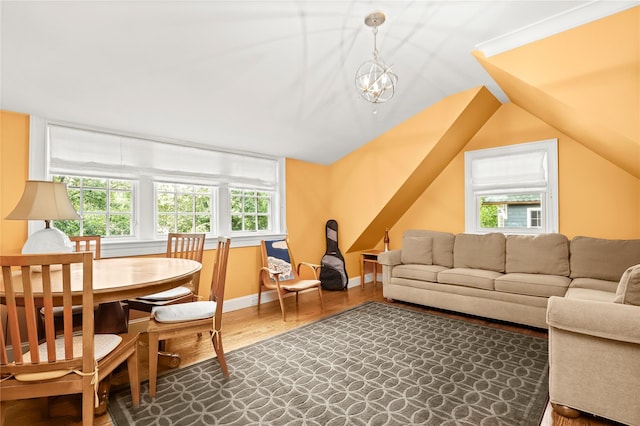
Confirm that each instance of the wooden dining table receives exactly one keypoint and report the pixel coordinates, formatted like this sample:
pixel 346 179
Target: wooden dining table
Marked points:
pixel 116 279
pixel 122 278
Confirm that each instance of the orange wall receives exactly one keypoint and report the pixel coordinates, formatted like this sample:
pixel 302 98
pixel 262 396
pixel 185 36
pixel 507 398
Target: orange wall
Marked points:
pixel 596 198
pixel 14 163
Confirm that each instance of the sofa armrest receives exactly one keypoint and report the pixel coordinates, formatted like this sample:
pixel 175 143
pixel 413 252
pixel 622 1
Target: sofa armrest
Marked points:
pixel 389 258
pixel 608 320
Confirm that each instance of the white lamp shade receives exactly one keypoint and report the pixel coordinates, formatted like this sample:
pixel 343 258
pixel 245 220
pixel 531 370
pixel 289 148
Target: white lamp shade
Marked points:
pixel 44 200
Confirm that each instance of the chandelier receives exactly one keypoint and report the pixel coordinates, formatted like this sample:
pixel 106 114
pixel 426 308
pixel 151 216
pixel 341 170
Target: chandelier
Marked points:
pixel 375 81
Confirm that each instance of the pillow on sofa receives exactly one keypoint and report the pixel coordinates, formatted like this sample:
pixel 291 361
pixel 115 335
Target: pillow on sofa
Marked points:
pixel 602 259
pixel 479 251
pixel 629 287
pixel 538 254
pixel 442 247
pixel 416 250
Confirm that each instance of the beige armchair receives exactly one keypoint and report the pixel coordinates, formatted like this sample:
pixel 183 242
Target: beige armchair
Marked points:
pixel 594 358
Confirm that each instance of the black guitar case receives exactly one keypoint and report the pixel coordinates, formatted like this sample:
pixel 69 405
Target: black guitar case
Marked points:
pixel 333 275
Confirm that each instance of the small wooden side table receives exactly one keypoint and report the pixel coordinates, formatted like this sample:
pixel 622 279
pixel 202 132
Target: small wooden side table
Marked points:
pixel 370 257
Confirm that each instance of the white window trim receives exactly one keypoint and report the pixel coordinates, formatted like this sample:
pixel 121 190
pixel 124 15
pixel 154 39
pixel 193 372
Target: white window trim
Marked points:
pixel 529 217
pixel 549 203
pixel 38 170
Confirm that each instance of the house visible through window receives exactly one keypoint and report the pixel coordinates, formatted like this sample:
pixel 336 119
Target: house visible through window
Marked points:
pixel 512 189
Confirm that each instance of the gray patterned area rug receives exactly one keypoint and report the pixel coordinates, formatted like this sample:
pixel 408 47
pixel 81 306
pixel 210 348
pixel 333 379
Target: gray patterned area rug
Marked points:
pixel 375 364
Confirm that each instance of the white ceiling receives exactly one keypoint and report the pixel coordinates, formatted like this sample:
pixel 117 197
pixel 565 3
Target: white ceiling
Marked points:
pixel 272 77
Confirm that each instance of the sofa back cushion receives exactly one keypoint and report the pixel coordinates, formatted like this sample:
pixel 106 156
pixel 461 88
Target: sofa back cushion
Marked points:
pixel 538 254
pixel 441 245
pixel 479 251
pixel 416 250
pixel 602 259
pixel 629 287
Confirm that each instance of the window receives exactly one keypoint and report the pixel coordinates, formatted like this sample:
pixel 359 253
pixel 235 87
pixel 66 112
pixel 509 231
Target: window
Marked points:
pixel 512 189
pixel 104 206
pixel 183 208
pixel 534 218
pixel 133 190
pixel 250 210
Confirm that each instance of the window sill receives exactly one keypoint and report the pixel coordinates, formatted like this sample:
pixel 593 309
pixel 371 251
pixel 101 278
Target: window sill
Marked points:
pixel 151 247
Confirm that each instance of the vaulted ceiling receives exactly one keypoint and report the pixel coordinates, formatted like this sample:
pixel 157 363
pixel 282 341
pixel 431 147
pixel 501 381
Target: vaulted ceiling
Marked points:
pixel 271 77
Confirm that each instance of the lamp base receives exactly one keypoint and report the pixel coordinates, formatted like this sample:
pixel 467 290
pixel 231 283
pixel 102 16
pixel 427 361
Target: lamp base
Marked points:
pixel 47 240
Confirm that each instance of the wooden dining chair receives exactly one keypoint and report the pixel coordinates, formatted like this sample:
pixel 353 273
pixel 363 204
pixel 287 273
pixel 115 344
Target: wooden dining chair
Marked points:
pixel 179 245
pixel 35 363
pixel 90 243
pixel 178 320
pixel 279 273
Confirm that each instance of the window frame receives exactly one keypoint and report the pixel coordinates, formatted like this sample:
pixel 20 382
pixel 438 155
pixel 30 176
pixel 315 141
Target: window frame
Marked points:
pixel 548 191
pixel 145 241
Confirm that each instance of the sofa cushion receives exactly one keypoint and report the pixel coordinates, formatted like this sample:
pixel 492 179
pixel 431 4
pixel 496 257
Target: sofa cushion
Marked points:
pixel 479 251
pixel 441 248
pixel 628 291
pixel 417 272
pixel 477 278
pixel 537 254
pixel 533 284
pixel 602 259
pixel 416 250
pixel 594 284
pixel 589 294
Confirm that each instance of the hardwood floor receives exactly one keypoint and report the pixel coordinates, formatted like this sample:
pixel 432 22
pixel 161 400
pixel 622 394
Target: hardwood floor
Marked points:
pixel 244 327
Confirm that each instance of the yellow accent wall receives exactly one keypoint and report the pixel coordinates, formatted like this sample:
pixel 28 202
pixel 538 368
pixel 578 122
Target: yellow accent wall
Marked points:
pixel 14 163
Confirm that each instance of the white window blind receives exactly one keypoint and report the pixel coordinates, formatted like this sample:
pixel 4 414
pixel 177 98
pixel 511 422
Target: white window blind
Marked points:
pixel 77 150
pixel 520 170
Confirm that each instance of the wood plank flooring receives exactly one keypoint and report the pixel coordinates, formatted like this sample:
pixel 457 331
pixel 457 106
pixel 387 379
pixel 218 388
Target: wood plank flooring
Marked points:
pixel 244 327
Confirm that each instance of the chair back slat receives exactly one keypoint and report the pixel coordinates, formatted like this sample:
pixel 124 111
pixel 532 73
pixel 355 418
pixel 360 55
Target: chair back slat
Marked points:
pixel 90 243
pixel 187 246
pixel 219 278
pixel 39 282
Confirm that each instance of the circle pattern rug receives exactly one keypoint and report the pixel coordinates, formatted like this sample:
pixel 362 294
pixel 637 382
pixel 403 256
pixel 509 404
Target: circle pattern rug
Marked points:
pixel 375 364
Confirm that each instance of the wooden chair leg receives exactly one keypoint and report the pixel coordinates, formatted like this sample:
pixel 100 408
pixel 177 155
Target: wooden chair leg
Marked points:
pixel 284 316
pixel 321 300
pixel 216 339
pixel 259 294
pixel 88 399
pixel 153 363
pixel 133 368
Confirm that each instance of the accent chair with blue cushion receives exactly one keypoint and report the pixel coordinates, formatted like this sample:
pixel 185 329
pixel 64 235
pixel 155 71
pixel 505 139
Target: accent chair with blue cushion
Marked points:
pixel 279 273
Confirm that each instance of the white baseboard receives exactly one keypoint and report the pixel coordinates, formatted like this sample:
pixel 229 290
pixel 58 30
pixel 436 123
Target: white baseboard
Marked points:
pixel 140 325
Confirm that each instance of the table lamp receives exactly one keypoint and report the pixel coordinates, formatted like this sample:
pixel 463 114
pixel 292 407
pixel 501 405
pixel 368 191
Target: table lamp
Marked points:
pixel 45 200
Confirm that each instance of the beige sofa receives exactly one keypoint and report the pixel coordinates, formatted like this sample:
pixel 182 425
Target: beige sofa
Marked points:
pixel 586 291
pixel 594 337
pixel 508 278
pixel 504 277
